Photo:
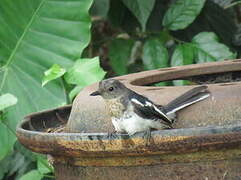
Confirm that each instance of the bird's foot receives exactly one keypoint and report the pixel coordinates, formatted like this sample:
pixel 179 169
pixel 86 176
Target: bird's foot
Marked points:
pixel 147 137
pixel 111 135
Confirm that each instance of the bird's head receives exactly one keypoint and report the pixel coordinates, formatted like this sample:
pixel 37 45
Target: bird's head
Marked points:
pixel 110 89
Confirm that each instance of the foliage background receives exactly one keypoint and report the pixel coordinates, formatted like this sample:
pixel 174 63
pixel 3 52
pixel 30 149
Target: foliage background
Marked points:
pixel 51 49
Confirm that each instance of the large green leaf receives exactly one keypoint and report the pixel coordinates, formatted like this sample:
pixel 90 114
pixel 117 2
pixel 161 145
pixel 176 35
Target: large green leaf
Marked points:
pixel 119 53
pixel 209 49
pixel 141 9
pixel 85 72
pixel 155 54
pixel 7 100
pixel 35 34
pixel 182 13
pixel 7 139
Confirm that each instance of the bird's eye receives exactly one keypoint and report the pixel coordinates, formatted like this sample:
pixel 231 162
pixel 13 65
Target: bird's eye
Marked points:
pixel 111 89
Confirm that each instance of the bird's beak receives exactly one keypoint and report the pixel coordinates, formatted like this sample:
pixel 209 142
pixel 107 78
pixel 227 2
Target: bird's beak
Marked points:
pixel 96 93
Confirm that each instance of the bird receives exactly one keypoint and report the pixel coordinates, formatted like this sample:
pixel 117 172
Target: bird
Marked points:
pixel 131 112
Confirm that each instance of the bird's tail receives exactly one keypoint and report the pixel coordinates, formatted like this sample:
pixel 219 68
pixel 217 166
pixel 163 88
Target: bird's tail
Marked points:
pixel 190 97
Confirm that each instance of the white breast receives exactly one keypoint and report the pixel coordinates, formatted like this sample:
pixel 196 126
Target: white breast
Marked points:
pixel 134 123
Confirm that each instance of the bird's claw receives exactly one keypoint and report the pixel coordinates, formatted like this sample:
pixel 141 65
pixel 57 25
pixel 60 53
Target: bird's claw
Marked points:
pixel 147 137
pixel 111 135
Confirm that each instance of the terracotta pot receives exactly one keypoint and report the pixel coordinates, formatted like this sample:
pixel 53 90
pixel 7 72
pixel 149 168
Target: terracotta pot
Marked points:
pixel 205 144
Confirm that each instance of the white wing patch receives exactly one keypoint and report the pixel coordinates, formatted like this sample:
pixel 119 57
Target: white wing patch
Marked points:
pixel 159 111
pixel 137 102
pixel 149 104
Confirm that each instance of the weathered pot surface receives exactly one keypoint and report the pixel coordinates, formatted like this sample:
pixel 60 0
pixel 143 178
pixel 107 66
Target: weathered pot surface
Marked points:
pixel 222 108
pixel 207 137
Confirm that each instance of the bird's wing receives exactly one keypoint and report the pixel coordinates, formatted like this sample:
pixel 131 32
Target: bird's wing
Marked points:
pixel 147 109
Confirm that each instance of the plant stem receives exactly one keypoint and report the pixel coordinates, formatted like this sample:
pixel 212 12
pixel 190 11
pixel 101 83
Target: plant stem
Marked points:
pixel 48 176
pixel 65 86
pixel 178 40
pixel 232 4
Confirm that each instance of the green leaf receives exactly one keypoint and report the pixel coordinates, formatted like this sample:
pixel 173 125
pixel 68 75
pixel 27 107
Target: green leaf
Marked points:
pixel 7 139
pixel 85 72
pixel 119 53
pixel 5 166
pixel 54 72
pixel 182 13
pixel 209 49
pixel 182 55
pixel 18 164
pixel 141 9
pixel 161 84
pixel 164 36
pixel 155 55
pixel 35 34
pixel 43 165
pixel 74 92
pixel 118 14
pixel 21 161
pixel 212 18
pixel 25 152
pixel 100 8
pixel 32 175
pixel 7 100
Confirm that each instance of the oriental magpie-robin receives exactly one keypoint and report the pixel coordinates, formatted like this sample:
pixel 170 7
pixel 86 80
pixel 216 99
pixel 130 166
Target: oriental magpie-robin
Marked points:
pixel 131 112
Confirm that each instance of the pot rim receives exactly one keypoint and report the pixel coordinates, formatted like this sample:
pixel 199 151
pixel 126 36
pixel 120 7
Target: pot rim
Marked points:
pixel 100 144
